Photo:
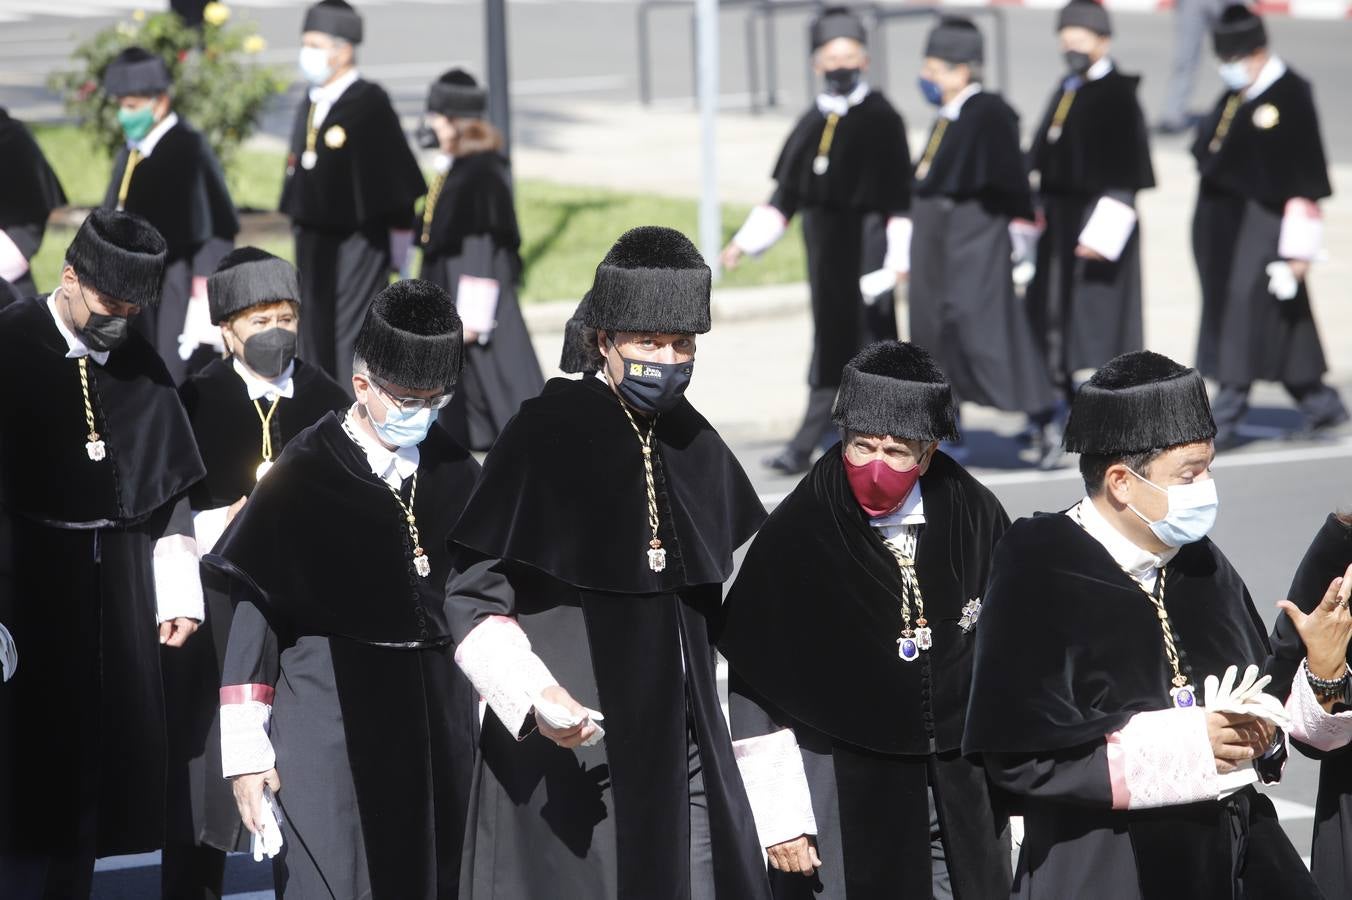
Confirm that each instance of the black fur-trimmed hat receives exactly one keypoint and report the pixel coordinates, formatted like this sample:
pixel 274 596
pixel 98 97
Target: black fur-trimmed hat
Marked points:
pixel 837 22
pixel 895 388
pixel 457 95
pixel 412 337
pixel 653 279
pixel 1239 31
pixel 247 277
pixel 1085 14
pixel 955 40
pixel 335 17
pixel 136 72
pixel 120 255
pixel 580 352
pixel 1139 402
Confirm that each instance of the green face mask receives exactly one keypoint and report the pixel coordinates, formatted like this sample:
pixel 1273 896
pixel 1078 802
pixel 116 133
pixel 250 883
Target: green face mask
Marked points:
pixel 136 123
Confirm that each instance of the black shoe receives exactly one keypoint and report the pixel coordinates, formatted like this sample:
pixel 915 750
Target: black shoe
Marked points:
pixel 1053 457
pixel 1328 429
pixel 1173 127
pixel 789 461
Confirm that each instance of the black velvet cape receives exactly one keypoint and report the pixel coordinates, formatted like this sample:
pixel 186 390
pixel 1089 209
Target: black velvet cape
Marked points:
pixel 979 157
pixel 31 191
pixel 1104 143
pixel 372 179
pixel 475 199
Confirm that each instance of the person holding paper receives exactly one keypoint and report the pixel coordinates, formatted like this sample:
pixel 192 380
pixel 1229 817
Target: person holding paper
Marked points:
pixel 844 167
pixel 29 191
pixel 1090 156
pixel 849 635
pixel 589 566
pixel 470 245
pixel 972 222
pixel 1115 689
pixel 341 706
pixel 1256 231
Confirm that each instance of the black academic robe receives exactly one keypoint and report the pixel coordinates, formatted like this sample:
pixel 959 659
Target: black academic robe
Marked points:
pixel 30 192
pixel 845 212
pixel 1086 312
pixel 473 232
pixel 372 723
pixel 180 189
pixel 962 303
pixel 556 536
pixel 1068 650
pixel 83 718
pixel 1331 856
pixel 364 183
pixel 810 633
pixel 229 439
pixel 1272 153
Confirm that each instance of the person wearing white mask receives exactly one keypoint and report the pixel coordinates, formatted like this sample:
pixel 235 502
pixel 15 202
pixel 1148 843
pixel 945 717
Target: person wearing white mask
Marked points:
pixel 350 188
pixel 343 715
pixel 1115 692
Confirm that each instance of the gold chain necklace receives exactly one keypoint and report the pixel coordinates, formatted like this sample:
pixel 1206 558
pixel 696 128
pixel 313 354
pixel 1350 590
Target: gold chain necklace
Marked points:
pixel 931 149
pixel 822 161
pixel 267 436
pixel 1223 126
pixel 1059 117
pixel 912 641
pixel 430 207
pixel 94 445
pixel 421 564
pixel 657 555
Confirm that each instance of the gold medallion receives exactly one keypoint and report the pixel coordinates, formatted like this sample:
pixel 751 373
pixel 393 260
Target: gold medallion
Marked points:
pixel 1266 117
pixel 335 137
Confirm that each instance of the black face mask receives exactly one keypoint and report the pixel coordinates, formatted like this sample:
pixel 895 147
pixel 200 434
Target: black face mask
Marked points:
pixel 103 333
pixel 1077 62
pixel 269 352
pixel 842 82
pixel 426 137
pixel 652 387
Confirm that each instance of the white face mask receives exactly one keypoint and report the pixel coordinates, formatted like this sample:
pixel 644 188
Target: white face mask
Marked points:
pixel 1191 515
pixel 314 65
pixel 1235 74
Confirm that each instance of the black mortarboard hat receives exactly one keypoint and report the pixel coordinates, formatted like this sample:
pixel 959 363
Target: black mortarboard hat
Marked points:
pixel 136 72
pixel 1238 32
pixel 836 22
pixel 1085 14
pixel 457 95
pixel 580 353
pixel 246 277
pixel 412 337
pixel 335 17
pixel 653 279
pixel 120 255
pixel 894 387
pixel 1139 402
pixel 955 40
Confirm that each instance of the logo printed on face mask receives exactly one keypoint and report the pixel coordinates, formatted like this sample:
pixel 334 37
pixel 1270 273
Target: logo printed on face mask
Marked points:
pixel 651 388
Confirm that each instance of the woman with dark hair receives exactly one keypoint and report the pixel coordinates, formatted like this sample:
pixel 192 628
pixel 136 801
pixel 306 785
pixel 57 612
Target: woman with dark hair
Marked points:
pixel 470 247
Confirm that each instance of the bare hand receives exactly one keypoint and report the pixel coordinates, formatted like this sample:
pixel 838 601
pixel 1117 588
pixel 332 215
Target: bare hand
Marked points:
pixel 176 632
pixel 1327 629
pixel 798 856
pixel 471 337
pixel 731 257
pixel 1236 738
pixel 248 790
pixel 1084 252
pixel 234 510
pixel 1299 268
pixel 568 738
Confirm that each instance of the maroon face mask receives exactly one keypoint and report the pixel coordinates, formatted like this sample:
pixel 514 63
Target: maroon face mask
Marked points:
pixel 878 487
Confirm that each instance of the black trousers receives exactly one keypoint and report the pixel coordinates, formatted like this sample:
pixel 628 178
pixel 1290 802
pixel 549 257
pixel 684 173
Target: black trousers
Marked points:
pixel 1318 401
pixel 817 428
pixel 339 275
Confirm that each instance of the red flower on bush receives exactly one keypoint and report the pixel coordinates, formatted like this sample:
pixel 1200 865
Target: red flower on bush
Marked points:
pixel 183 56
pixel 87 89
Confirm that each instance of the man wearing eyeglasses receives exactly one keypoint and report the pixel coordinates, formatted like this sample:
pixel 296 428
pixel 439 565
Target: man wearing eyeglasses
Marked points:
pixel 343 716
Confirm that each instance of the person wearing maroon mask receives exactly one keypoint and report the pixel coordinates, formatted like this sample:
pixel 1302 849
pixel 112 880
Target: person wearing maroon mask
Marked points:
pixel 849 636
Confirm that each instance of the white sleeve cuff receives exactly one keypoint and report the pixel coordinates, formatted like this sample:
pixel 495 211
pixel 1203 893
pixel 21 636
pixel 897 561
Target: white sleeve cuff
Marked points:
pixel 763 227
pixel 497 659
pixel 246 712
pixel 898 257
pixel 1023 238
pixel 12 261
pixel 476 300
pixel 178 581
pixel 1310 723
pixel 776 786
pixel 1302 234
pixel 209 525
pixel 1110 226
pixel 1162 758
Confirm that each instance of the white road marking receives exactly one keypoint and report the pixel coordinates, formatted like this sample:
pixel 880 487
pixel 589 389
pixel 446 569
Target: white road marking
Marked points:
pixel 1288 810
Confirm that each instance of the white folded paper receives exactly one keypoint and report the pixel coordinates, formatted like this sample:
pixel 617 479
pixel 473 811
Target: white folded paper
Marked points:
pixel 1109 228
pixel 9 655
pixel 476 300
pixel 198 330
pixel 267 840
pixel 763 227
pixel 1282 282
pixel 558 716
pixel 1302 233
pixel 877 283
pixel 12 261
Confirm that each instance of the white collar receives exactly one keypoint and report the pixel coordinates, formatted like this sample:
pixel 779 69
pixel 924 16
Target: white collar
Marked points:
pixel 329 93
pixel 1273 69
pixel 260 387
pixel 146 145
pixel 75 348
pixel 1099 69
pixel 834 103
pixel 390 466
pixel 953 108
pixel 1137 562
pixel 911 512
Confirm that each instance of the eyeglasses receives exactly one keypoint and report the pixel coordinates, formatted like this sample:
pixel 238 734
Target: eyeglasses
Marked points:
pixel 413 404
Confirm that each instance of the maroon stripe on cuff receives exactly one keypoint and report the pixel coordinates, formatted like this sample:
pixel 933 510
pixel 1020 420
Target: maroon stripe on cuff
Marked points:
pixel 243 693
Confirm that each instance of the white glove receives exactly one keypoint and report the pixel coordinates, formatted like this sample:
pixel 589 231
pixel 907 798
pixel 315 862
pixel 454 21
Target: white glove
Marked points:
pixel 9 655
pixel 1246 698
pixel 557 716
pixel 877 283
pixel 197 330
pixel 1282 282
pixel 267 840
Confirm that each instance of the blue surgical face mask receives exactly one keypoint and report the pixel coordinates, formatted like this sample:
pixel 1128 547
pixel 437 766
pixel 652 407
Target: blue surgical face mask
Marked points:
pixel 930 91
pixel 1191 515
pixel 314 65
pixel 1235 74
pixel 401 428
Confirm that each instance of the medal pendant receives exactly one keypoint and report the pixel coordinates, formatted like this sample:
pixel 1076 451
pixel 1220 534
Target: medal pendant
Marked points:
pixel 907 648
pixel 820 164
pixel 970 613
pixel 1053 134
pixel 657 559
pixel 308 159
pixel 262 469
pixel 421 564
pixel 96 449
pixel 924 638
pixel 921 171
pixel 1183 697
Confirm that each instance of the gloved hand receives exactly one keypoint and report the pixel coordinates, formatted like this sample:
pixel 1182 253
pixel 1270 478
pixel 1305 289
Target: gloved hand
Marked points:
pixel 1282 282
pixel 1247 697
pixel 267 840
pixel 877 283
pixel 9 655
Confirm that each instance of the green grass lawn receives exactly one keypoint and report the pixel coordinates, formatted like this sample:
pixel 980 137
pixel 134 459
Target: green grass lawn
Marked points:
pixel 565 229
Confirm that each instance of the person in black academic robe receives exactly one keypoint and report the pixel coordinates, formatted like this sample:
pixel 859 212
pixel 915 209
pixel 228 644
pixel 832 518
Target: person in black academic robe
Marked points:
pixel 168 174
pixel 1101 628
pixel 816 630
pixel 351 183
pixel 970 185
pixel 589 564
pixel 254 299
pixel 339 692
pixel 1091 155
pixel 1256 231
pixel 471 245
pixel 96 460
pixel 843 168
pixel 29 191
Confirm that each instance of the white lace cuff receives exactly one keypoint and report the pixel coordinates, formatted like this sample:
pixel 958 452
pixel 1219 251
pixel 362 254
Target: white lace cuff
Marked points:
pixel 1023 238
pixel 209 525
pixel 1310 723
pixel 12 261
pixel 1109 228
pixel 776 786
pixel 762 228
pixel 497 659
pixel 178 581
pixel 898 257
pixel 246 711
pixel 1162 758
pixel 1302 233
